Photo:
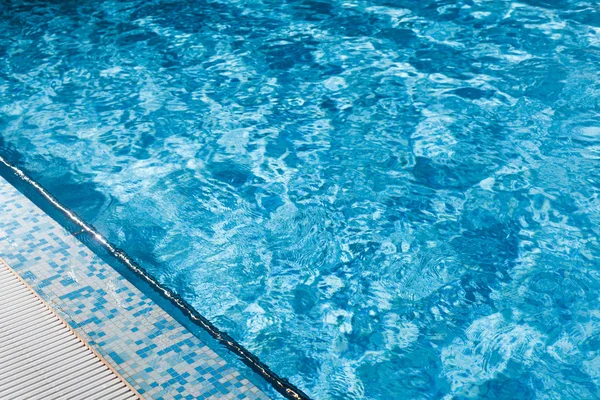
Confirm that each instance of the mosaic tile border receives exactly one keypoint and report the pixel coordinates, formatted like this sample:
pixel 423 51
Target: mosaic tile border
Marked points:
pixel 177 307
pixel 57 335
pixel 153 352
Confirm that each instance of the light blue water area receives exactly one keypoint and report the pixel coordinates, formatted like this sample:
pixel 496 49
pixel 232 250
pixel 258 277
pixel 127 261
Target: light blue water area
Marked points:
pixel 380 199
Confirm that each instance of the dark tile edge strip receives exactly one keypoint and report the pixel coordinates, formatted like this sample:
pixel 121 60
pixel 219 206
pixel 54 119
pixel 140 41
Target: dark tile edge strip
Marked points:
pixel 281 385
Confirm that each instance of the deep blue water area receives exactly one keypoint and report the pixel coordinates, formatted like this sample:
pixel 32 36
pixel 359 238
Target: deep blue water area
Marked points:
pixel 380 199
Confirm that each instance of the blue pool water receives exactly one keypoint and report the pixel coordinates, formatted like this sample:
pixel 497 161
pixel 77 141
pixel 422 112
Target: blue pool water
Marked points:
pixel 380 199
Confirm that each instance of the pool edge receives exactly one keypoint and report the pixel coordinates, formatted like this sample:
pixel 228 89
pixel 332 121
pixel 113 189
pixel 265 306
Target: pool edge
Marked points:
pixel 70 328
pixel 277 383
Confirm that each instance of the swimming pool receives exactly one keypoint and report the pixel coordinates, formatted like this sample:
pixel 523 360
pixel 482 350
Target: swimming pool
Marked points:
pixel 378 199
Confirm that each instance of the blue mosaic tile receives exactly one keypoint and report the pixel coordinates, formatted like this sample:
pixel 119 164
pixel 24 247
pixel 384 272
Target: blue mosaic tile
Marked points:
pixel 153 352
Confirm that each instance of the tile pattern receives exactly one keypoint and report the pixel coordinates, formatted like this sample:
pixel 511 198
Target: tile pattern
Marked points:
pixel 41 358
pixel 152 351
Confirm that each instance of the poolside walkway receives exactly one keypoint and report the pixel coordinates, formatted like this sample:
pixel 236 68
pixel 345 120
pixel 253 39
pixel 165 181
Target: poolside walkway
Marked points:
pixel 146 346
pixel 41 357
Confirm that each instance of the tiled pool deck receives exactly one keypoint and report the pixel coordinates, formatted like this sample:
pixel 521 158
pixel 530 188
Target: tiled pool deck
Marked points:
pixel 158 356
pixel 42 358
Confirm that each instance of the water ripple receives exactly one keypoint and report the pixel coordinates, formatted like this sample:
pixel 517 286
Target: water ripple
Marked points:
pixel 380 200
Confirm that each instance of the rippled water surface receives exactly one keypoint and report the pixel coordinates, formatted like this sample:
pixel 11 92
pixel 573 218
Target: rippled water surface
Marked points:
pixel 380 199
